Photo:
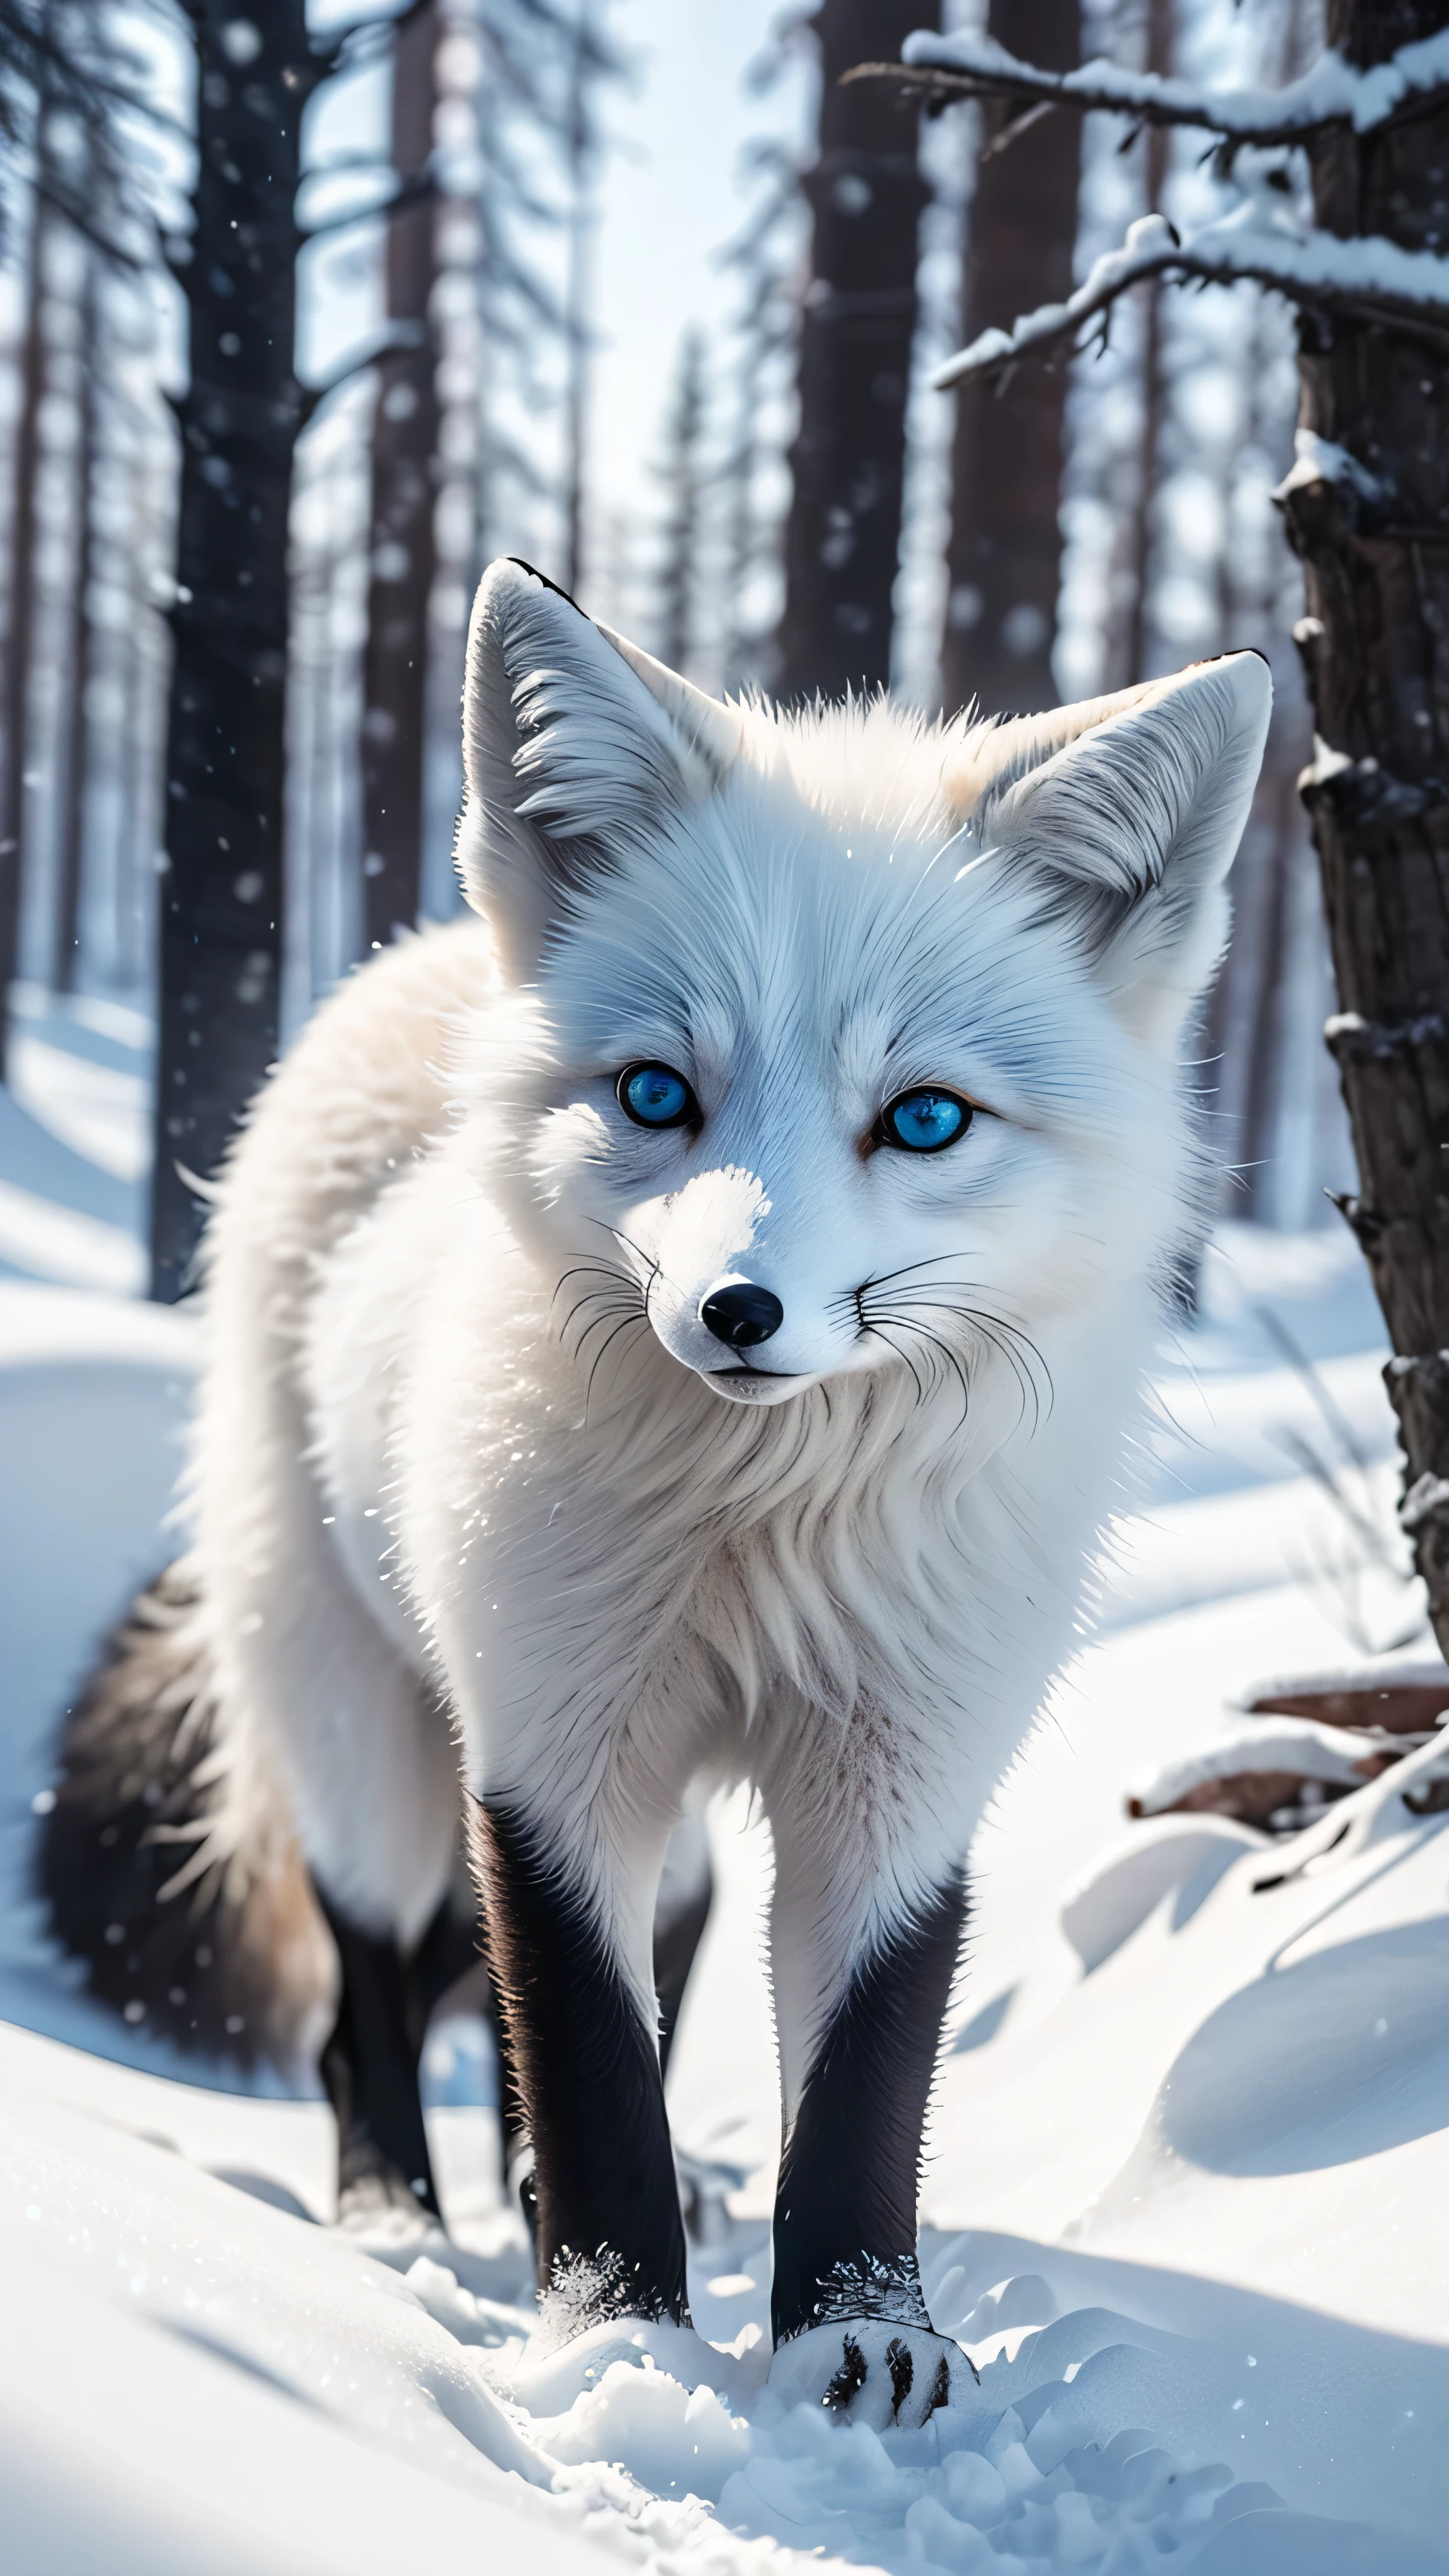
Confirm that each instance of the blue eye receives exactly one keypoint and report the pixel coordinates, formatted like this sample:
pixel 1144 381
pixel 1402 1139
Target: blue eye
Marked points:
pixel 924 1121
pixel 653 1096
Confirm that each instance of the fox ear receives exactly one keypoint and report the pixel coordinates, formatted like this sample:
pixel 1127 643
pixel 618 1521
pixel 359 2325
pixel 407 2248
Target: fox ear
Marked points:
pixel 576 746
pixel 1127 811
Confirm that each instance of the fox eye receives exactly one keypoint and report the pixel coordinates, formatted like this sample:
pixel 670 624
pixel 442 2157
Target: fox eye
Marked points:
pixel 653 1095
pixel 923 1122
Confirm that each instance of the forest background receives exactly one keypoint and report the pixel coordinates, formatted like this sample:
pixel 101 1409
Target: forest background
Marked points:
pixel 305 317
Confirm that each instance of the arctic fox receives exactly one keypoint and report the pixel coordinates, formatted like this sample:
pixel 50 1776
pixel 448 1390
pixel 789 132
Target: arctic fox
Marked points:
pixel 680 1326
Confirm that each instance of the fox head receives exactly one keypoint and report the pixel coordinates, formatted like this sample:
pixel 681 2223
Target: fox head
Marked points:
pixel 841 1041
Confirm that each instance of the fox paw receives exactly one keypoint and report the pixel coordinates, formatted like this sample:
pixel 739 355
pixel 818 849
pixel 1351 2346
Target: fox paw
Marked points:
pixel 873 2371
pixel 380 2203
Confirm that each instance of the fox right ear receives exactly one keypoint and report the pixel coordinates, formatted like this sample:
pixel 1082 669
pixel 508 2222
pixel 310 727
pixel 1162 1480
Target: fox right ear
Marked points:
pixel 1124 814
pixel 577 747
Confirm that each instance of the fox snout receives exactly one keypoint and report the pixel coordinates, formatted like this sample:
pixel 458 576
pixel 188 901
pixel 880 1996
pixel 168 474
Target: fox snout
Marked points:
pixel 741 1314
pixel 727 1336
pixel 746 1314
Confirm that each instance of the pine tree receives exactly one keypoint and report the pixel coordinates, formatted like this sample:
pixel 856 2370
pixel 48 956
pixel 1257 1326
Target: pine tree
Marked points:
pixel 857 332
pixel 1004 557
pixel 1135 661
pixel 221 895
pixel 70 853
pixel 21 621
pixel 683 480
pixel 404 495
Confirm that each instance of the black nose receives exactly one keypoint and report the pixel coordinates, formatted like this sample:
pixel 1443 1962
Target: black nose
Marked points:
pixel 740 1314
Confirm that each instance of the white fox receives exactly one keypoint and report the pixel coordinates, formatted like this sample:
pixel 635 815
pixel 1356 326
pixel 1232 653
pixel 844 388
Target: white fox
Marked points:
pixel 681 1326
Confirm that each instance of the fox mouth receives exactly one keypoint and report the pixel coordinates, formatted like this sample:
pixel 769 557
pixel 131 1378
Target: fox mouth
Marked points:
pixel 744 1385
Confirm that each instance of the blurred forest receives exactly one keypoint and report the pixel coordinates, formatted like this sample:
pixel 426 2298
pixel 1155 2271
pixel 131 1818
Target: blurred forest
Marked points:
pixel 237 573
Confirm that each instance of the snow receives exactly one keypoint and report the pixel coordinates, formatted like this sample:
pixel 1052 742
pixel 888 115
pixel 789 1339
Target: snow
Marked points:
pixel 1322 460
pixel 1185 2165
pixel 1332 92
pixel 1254 241
pixel 74 1142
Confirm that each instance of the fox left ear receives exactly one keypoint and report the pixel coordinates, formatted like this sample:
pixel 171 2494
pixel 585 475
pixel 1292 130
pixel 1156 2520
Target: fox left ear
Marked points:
pixel 576 745
pixel 1127 811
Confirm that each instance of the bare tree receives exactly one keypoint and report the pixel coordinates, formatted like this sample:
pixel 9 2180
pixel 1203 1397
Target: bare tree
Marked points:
pixel 221 899
pixel 857 331
pixel 21 623
pixel 1159 66
pixel 67 89
pixel 683 479
pixel 70 850
pixel 763 257
pixel 403 552
pixel 1004 555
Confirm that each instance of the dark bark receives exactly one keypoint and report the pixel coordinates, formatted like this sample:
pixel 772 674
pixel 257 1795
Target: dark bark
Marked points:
pixel 1376 646
pixel 1004 559
pixel 1159 59
pixel 70 852
pixel 404 496
pixel 221 894
pixel 856 333
pixel 20 633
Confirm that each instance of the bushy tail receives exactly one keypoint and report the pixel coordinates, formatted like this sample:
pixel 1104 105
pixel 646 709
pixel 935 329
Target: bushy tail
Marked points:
pixel 202 1935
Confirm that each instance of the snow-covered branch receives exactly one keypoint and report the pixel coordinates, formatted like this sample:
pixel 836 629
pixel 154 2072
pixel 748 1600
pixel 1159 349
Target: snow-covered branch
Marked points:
pixel 1332 93
pixel 1368 277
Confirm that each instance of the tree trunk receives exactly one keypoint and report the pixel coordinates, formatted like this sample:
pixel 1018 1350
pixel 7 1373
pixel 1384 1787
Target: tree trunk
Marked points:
pixel 221 894
pixel 576 308
pixel 19 640
pixel 1004 559
pixel 70 851
pixel 679 571
pixel 1159 60
pixel 404 497
pixel 1374 539
pixel 856 333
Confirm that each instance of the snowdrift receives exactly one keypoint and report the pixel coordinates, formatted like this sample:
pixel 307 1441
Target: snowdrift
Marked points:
pixel 1185 2164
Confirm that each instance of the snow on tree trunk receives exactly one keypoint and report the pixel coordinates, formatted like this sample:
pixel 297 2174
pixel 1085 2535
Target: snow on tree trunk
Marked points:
pixel 1368 511
pixel 856 333
pixel 1004 557
pixel 221 893
pixel 404 495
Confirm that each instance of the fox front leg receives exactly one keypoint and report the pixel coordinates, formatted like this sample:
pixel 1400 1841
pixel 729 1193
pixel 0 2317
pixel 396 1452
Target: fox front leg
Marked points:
pixel 610 2235
pixel 851 2327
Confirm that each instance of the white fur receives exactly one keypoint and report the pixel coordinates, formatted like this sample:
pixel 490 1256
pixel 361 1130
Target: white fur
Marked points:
pixel 459 1425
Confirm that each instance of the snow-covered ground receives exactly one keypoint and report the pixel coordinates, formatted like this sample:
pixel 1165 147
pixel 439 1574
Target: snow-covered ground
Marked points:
pixel 1184 2202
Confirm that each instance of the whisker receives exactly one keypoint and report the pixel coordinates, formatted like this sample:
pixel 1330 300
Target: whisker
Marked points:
pixel 606 1346
pixel 653 1266
pixel 625 1314
pixel 944 1351
pixel 1012 1341
pixel 595 1270
pixel 881 1335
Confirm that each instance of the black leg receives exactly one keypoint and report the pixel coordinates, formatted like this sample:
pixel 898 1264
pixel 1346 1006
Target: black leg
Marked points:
pixel 450 1947
pixel 845 2210
pixel 369 2064
pixel 610 2235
